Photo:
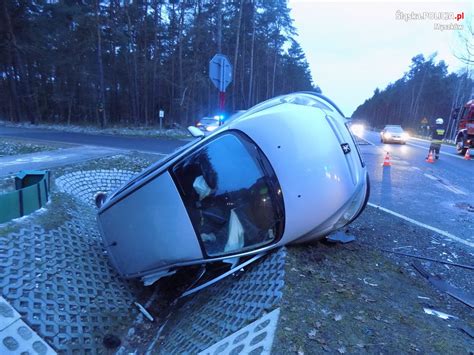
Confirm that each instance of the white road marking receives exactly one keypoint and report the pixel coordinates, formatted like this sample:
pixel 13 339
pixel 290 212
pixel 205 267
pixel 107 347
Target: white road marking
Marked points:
pixel 427 141
pixel 420 139
pixel 441 152
pixel 369 142
pixel 415 222
pixel 454 189
pixel 431 177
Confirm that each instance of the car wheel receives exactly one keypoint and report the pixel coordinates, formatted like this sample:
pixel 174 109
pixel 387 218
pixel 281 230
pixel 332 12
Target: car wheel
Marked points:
pixel 460 146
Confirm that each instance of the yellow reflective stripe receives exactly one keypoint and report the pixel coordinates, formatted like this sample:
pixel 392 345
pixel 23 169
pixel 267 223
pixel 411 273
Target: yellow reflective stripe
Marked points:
pixel 440 131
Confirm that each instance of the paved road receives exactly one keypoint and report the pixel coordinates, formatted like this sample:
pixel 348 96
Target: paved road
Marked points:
pixel 146 144
pixel 438 194
pixel 446 150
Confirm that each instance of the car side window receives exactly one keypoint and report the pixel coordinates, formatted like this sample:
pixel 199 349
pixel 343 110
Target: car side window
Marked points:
pixel 231 195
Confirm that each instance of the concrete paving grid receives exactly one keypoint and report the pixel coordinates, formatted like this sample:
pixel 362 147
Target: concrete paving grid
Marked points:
pixel 226 307
pixel 16 336
pixel 62 285
pixel 60 280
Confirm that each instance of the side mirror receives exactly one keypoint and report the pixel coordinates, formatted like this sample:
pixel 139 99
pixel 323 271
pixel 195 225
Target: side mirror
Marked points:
pixel 195 132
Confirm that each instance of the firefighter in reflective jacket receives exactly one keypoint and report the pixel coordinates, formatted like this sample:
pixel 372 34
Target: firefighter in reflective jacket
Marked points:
pixel 437 136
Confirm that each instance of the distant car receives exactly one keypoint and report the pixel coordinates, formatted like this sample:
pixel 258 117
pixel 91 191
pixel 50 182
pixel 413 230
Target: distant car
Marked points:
pixel 209 124
pixel 241 190
pixel 394 134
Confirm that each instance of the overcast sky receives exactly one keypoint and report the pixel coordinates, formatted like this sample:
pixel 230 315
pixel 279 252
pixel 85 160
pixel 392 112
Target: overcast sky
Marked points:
pixel 354 47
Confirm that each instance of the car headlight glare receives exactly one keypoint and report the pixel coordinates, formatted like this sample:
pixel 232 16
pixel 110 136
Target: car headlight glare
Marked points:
pixel 210 128
pixel 357 129
pixel 387 135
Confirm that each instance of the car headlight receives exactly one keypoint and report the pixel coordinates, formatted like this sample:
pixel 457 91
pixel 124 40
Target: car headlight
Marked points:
pixel 387 135
pixel 405 136
pixel 357 129
pixel 352 208
pixel 211 128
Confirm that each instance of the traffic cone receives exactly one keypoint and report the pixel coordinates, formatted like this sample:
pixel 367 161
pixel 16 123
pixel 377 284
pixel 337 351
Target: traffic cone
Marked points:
pixel 386 161
pixel 467 156
pixel 430 157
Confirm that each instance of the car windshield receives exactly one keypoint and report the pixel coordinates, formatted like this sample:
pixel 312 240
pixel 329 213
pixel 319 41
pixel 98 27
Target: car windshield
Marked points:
pixel 234 204
pixel 394 129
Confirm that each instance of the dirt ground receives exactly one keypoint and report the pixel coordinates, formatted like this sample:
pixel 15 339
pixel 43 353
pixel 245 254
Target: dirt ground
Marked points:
pixel 356 298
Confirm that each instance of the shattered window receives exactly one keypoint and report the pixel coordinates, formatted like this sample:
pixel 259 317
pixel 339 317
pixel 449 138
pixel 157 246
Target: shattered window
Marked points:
pixel 231 195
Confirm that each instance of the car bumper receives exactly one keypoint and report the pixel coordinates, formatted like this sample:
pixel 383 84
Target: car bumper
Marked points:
pixel 395 140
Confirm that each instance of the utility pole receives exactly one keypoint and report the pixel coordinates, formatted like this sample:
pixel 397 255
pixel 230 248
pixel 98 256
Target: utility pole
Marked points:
pixel 219 26
pixel 101 103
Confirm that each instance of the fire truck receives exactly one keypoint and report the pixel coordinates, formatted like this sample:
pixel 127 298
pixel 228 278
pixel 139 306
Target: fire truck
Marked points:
pixel 465 129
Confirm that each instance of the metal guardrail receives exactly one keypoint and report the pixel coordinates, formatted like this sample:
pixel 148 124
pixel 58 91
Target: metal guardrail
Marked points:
pixel 31 193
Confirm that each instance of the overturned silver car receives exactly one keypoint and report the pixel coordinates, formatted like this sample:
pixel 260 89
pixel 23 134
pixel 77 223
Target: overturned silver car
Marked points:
pixel 285 171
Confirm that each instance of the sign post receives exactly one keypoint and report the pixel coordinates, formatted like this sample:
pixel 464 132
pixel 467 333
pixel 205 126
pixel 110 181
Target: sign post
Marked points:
pixel 161 114
pixel 220 73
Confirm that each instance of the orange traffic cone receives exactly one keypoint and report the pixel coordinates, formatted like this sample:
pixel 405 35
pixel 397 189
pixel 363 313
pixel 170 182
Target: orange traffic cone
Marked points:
pixel 386 161
pixel 467 156
pixel 430 157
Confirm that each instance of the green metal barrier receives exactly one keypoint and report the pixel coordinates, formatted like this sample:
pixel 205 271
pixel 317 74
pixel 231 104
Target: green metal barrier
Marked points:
pixel 32 193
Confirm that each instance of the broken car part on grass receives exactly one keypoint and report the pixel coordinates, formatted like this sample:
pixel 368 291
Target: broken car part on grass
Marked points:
pixel 443 286
pixel 242 190
pixel 464 266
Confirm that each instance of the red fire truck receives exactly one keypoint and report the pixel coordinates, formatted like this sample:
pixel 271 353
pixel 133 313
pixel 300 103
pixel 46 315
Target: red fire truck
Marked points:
pixel 465 130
